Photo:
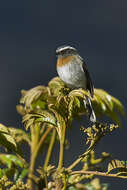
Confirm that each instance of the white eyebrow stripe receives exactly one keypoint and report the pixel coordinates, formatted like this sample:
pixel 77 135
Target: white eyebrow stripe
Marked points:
pixel 64 48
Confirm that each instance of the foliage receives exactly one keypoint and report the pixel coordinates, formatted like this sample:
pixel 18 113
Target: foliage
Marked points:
pixel 47 113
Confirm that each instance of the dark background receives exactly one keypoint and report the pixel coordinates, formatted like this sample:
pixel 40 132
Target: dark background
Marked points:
pixel 30 31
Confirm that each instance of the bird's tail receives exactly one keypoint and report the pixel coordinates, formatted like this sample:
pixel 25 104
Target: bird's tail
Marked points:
pixel 89 107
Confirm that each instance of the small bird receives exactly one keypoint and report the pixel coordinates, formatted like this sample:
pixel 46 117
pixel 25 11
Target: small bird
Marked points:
pixel 74 73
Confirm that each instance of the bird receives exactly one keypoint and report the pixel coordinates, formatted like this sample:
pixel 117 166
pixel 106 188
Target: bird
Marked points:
pixel 74 73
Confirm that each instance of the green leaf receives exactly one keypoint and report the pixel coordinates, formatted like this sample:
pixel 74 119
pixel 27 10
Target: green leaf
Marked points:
pixel 56 83
pixel 114 116
pixel 77 102
pixel 9 172
pixel 41 116
pixel 108 105
pixel 46 116
pixel 118 106
pixel 9 159
pixel 72 188
pixel 21 109
pixel 16 174
pixel 89 186
pixel 1 173
pixel 33 95
pixel 70 108
pixel 105 186
pixel 19 135
pixel 23 174
pixel 79 93
pixel 6 139
pixel 105 98
pixel 14 166
pixel 101 104
pixel 39 104
pixel 116 164
pixel 60 122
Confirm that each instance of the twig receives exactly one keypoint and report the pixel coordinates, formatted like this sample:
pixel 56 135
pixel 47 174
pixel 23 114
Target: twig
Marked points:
pixel 97 173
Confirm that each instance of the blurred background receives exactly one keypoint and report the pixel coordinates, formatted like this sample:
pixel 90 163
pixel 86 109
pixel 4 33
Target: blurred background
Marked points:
pixel 30 31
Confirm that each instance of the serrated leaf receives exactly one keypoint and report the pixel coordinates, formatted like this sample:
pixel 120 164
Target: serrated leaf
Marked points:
pixel 6 140
pixel 28 120
pixel 33 95
pixel 70 108
pixel 60 122
pixel 19 135
pixel 110 106
pixel 114 116
pixel 76 102
pixel 101 103
pixel 124 162
pixel 79 93
pixel 56 82
pixel 115 164
pixel 46 116
pixel 105 97
pixel 39 116
pixel 118 105
pixel 51 100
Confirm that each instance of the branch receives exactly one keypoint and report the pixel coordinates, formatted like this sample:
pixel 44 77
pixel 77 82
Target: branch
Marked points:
pixel 98 173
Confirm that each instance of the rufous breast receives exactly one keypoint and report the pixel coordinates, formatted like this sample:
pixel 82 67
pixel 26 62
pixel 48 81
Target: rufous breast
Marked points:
pixel 64 60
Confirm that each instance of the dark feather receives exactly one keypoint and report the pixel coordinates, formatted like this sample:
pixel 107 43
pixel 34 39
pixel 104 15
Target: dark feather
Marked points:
pixel 90 86
pixel 89 107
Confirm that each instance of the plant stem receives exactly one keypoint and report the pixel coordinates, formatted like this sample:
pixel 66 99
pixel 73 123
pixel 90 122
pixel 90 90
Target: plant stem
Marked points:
pixel 35 129
pixel 61 154
pixel 46 181
pixel 35 146
pixel 76 162
pixel 97 173
pixel 43 138
pixel 65 183
pixel 50 149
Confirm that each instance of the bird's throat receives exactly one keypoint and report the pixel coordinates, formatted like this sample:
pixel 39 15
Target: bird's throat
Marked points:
pixel 64 60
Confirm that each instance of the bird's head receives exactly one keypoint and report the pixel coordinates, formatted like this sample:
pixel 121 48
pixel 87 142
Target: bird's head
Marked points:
pixel 64 51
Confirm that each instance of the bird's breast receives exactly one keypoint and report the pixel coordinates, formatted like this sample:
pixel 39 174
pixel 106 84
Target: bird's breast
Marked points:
pixel 72 74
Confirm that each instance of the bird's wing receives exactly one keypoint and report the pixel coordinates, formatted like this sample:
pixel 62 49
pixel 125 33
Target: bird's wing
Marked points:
pixel 90 86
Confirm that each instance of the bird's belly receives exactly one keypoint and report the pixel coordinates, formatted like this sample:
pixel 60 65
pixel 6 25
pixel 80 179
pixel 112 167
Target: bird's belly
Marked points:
pixel 73 75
